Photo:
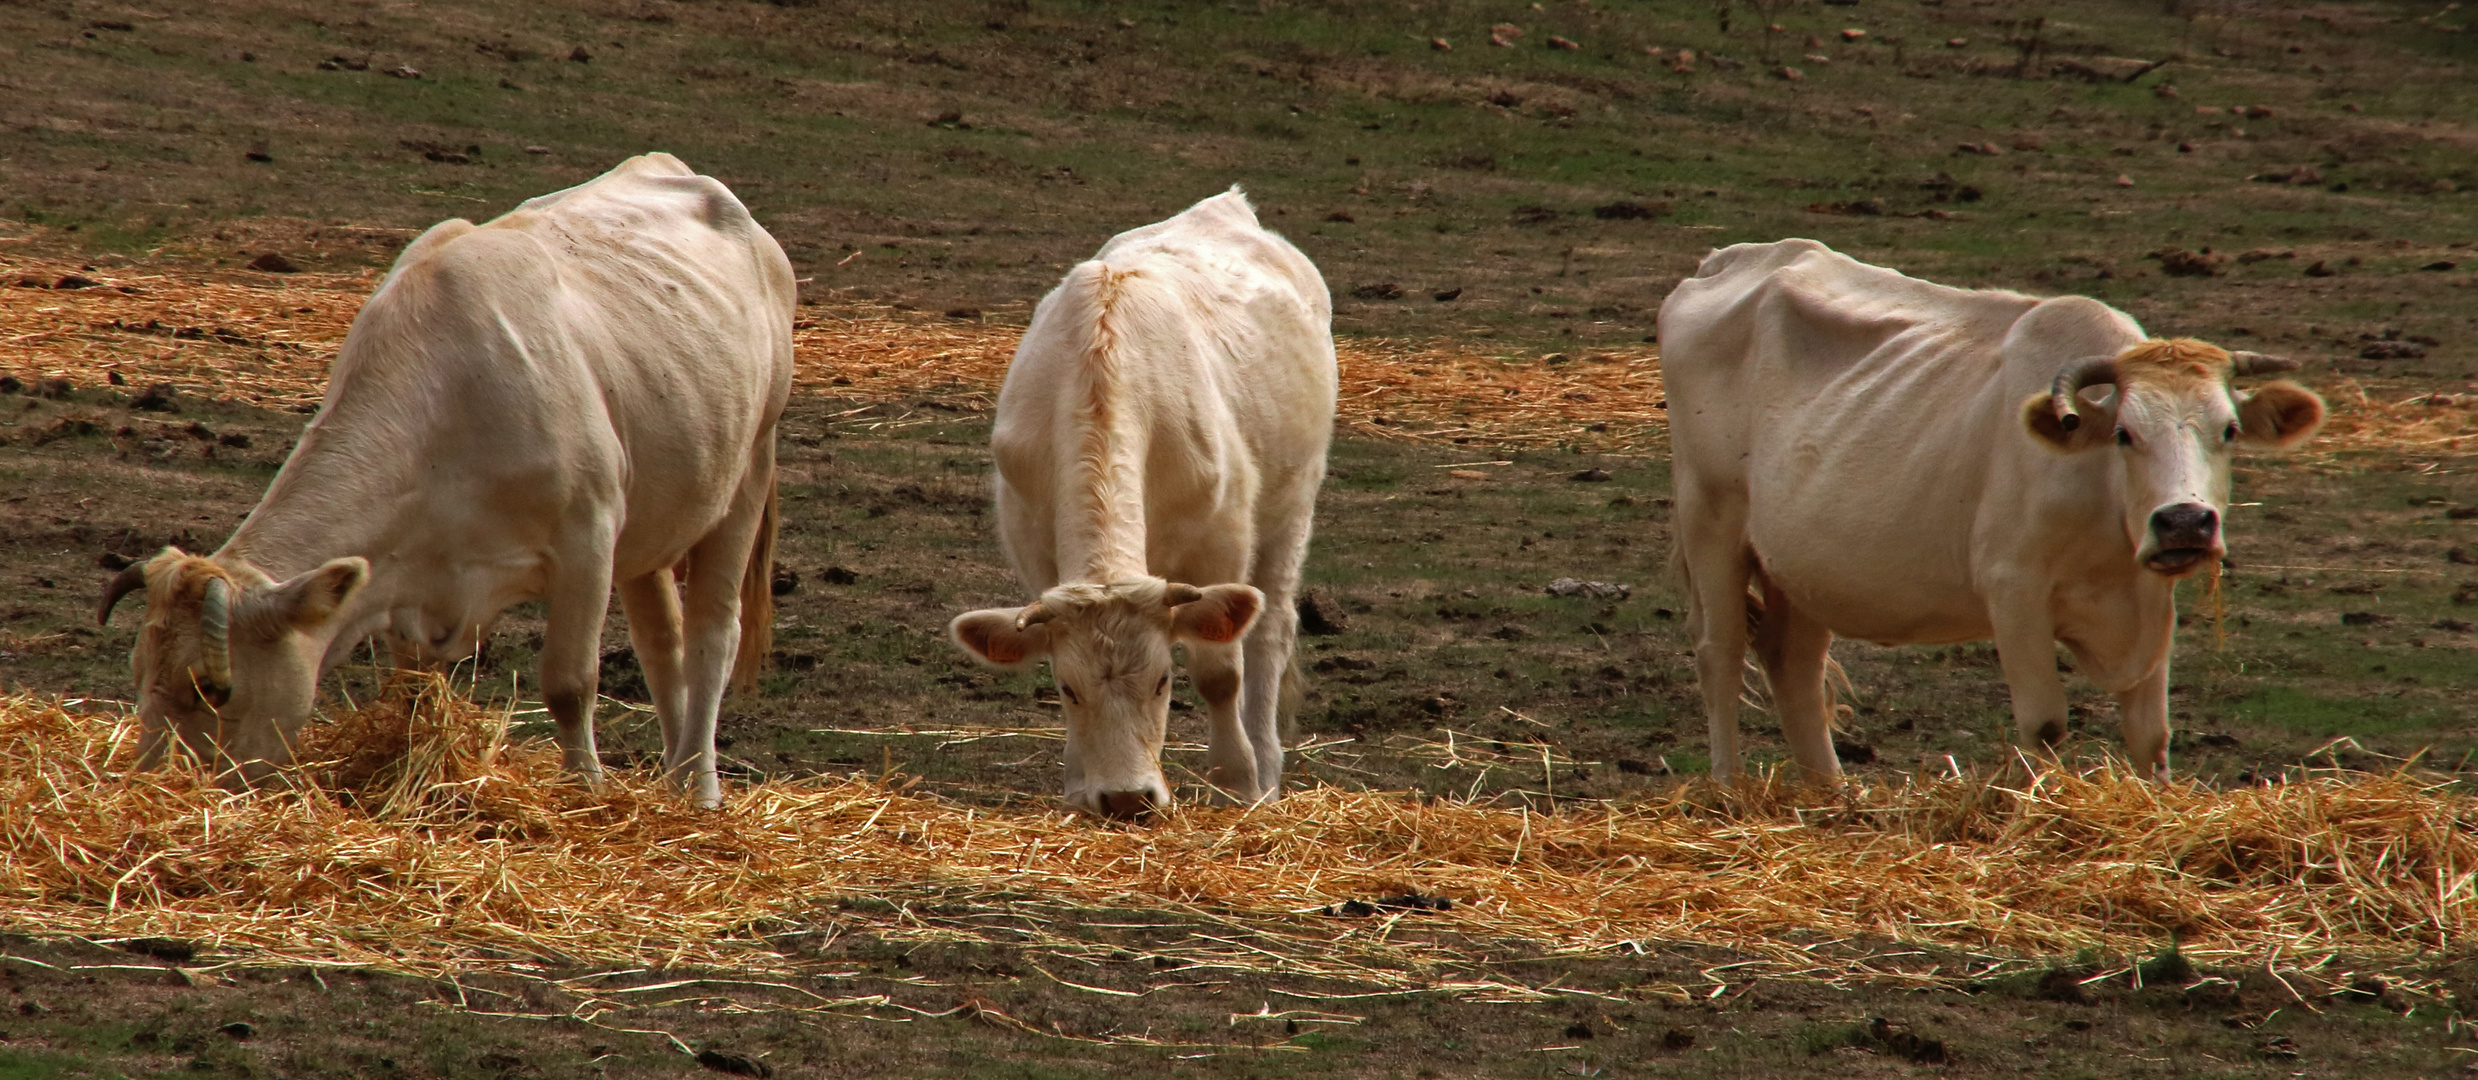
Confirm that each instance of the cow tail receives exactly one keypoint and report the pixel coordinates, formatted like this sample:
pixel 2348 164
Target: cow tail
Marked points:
pixel 757 600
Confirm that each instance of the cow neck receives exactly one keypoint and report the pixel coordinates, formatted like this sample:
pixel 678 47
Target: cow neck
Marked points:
pixel 349 484
pixel 1106 538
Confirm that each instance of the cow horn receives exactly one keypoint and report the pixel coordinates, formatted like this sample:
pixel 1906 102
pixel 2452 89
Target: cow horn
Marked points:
pixel 130 579
pixel 1175 594
pixel 215 632
pixel 1032 615
pixel 2069 382
pixel 2255 363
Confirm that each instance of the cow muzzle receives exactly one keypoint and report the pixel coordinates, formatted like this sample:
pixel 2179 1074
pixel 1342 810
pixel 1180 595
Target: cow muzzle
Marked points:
pixel 2182 537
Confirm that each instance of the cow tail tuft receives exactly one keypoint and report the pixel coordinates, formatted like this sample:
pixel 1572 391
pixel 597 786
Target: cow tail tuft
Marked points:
pixel 757 600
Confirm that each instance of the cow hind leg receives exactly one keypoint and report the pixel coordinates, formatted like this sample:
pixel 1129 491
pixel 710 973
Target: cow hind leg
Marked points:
pixel 711 636
pixel 652 602
pixel 1230 755
pixel 1716 569
pixel 1793 649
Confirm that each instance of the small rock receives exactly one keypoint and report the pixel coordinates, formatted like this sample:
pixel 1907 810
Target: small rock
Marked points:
pixel 836 575
pixel 75 281
pixel 1591 476
pixel 1789 74
pixel 273 263
pixel 1504 35
pixel 1467 474
pixel 1382 290
pixel 1556 42
pixel 963 313
pixel 157 398
pixel 1593 590
pixel 405 71
pixel 786 581
pixel 1853 34
pixel 239 1030
pixel 2363 618
pixel 537 149
pixel 1446 295
pixel 2123 180
pixel 2219 739
pixel 579 55
pixel 1440 44
pixel 2320 269
pixel 260 156
pixel 1676 1039
pixel 235 440
pixel 2441 265
pixel 1341 217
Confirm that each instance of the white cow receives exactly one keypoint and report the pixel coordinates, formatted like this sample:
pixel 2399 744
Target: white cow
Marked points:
pixel 1902 462
pixel 581 392
pixel 1166 417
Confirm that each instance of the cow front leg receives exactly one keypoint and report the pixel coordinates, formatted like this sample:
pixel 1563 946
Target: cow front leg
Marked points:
pixel 2026 649
pixel 1230 756
pixel 2142 711
pixel 580 597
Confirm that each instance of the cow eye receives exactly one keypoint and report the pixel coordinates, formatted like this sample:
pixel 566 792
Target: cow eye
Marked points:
pixel 1162 687
pixel 2124 437
pixel 2229 435
pixel 1072 697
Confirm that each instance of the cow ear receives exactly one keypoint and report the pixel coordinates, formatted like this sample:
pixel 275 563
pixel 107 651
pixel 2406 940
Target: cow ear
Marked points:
pixel 2279 415
pixel 992 637
pixel 1220 615
pixel 308 601
pixel 2039 415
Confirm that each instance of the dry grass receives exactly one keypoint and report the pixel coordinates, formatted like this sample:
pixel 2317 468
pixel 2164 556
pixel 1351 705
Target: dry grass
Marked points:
pixel 459 853
pixel 268 338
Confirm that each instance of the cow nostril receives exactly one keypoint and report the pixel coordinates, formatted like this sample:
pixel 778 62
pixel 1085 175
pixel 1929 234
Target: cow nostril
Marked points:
pixel 2185 519
pixel 1127 805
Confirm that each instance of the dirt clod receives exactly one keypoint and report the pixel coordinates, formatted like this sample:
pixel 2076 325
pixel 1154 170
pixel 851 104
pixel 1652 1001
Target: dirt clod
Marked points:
pixel 1319 615
pixel 274 263
pixel 723 1061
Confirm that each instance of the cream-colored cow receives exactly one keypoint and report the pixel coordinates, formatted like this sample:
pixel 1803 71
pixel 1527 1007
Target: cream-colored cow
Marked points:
pixel 1902 462
pixel 581 392
pixel 1164 421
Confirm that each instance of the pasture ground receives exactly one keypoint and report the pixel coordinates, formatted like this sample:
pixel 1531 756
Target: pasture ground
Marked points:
pixel 944 160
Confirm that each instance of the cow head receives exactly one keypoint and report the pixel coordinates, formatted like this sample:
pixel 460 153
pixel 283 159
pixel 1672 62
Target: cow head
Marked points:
pixel 1109 648
pixel 228 659
pixel 2172 422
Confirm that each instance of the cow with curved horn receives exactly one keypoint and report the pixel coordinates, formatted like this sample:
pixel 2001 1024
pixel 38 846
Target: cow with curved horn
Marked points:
pixel 1879 457
pixel 1167 414
pixel 579 393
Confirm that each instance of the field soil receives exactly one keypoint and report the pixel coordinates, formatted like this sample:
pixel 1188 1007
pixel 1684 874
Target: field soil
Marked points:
pixel 933 166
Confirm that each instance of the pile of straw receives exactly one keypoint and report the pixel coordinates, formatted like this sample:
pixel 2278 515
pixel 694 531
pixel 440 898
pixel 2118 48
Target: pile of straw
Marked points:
pixel 473 855
pixel 268 339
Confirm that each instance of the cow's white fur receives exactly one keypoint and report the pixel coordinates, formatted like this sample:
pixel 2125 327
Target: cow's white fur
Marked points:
pixel 584 390
pixel 1852 442
pixel 1166 417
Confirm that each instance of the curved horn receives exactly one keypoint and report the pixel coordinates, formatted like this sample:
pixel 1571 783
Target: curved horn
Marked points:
pixel 2255 363
pixel 1032 615
pixel 1175 594
pixel 215 632
pixel 2070 382
pixel 130 579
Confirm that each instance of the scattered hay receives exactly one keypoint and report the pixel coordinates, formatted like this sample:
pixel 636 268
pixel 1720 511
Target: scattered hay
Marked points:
pixel 269 340
pixel 470 855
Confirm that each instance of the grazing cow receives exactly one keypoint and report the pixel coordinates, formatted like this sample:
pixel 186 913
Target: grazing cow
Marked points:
pixel 581 392
pixel 1167 414
pixel 1902 462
